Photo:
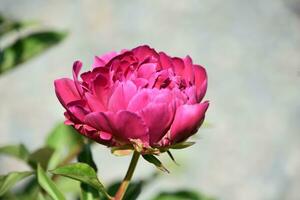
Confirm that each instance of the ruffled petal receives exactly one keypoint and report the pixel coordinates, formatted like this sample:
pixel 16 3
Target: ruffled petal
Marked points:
pixel 66 91
pixel 188 119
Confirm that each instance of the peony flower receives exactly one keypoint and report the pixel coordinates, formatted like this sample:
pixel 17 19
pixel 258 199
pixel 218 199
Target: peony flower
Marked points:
pixel 137 98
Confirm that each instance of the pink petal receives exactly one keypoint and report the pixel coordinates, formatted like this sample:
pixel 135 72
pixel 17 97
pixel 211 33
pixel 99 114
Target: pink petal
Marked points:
pixel 178 66
pixel 146 70
pixel 95 103
pixel 165 60
pixel 121 96
pixel 66 91
pixel 188 69
pixel 102 121
pixel 200 81
pixel 78 112
pixel 100 61
pixel 76 69
pixel 188 119
pixel 131 126
pixel 158 118
pixel 139 100
pixel 144 52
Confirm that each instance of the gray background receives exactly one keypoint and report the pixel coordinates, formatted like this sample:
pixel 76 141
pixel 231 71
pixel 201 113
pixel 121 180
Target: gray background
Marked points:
pixel 251 52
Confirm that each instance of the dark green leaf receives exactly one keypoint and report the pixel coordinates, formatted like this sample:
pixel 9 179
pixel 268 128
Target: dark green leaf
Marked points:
pixel 88 192
pixel 182 195
pixel 27 47
pixel 7 181
pixel 85 156
pixel 133 191
pixel 18 151
pixel 48 185
pixel 81 172
pixel 152 159
pixel 41 156
pixel 181 145
pixel 172 157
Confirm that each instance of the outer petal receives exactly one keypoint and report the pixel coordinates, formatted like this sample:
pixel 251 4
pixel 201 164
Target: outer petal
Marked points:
pixel 158 118
pixel 131 126
pixel 76 69
pixel 165 60
pixel 66 91
pixel 144 52
pixel 102 121
pixel 200 81
pixel 102 60
pixel 188 119
pixel 178 65
pixel 188 69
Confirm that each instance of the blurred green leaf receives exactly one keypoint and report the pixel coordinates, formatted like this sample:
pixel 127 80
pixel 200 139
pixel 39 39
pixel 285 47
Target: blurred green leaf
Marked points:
pixel 85 156
pixel 48 185
pixel 28 47
pixel 63 136
pixel 18 151
pixel 182 195
pixel 81 172
pixel 153 160
pixel 63 139
pixel 7 25
pixel 41 156
pixel 133 191
pixel 7 181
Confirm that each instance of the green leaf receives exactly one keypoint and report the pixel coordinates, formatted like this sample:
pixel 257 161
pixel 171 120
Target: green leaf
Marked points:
pixel 7 181
pixel 64 140
pixel 62 137
pixel 48 185
pixel 27 47
pixel 41 156
pixel 85 156
pixel 88 192
pixel 18 151
pixel 182 195
pixel 81 172
pixel 7 25
pixel 133 191
pixel 152 159
pixel 181 145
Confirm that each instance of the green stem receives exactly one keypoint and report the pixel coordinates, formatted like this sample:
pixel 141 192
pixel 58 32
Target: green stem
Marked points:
pixel 124 185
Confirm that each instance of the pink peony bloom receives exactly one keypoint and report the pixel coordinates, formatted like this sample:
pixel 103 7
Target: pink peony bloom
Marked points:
pixel 137 97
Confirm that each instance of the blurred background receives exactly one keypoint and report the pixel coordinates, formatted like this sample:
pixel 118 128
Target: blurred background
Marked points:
pixel 250 49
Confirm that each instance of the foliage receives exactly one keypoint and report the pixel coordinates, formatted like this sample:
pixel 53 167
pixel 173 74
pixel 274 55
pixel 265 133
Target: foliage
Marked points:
pixel 25 46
